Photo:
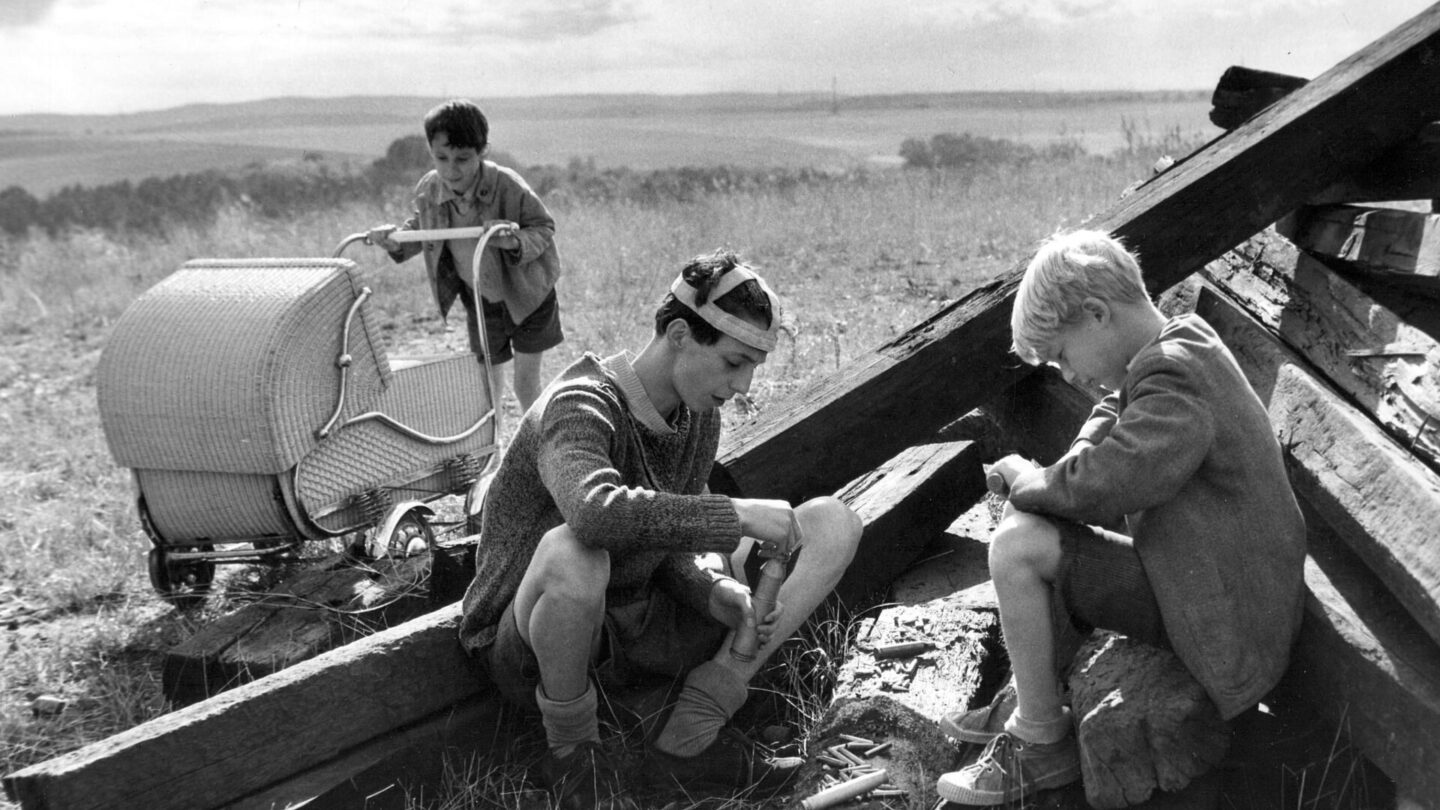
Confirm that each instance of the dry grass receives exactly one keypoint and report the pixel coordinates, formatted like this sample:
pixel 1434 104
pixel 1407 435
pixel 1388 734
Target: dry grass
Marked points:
pixel 858 264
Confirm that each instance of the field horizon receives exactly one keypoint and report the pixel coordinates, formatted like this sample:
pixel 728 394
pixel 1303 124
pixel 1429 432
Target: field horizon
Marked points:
pixel 43 153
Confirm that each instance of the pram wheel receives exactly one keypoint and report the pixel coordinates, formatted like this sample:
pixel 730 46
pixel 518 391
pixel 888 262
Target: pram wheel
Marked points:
pixel 183 584
pixel 412 535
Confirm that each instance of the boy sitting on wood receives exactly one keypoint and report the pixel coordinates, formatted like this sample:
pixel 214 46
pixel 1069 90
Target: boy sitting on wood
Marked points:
pixel 1212 562
pixel 602 554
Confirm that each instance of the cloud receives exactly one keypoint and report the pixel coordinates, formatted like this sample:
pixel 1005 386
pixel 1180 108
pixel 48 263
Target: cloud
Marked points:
pixel 21 13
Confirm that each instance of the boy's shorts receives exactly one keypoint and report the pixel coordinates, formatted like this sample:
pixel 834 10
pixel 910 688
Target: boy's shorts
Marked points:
pixel 539 332
pixel 1101 583
pixel 654 639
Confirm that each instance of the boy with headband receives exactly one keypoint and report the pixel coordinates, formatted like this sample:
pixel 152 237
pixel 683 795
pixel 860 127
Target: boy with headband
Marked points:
pixel 603 559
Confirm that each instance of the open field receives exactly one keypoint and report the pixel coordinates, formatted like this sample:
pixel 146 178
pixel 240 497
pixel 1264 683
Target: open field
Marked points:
pixel 44 153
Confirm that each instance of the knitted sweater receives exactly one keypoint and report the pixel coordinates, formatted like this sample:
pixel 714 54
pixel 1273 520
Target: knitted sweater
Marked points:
pixel 1184 449
pixel 581 457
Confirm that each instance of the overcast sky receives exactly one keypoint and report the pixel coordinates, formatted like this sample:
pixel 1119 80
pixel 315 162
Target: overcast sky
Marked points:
pixel 108 56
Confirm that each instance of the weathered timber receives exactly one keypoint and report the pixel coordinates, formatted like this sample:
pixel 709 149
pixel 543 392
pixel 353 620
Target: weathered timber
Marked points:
pixel 903 391
pixel 324 606
pixel 1410 170
pixel 387 772
pixel 1372 353
pixel 1407 171
pixel 1382 240
pixel 1242 92
pixel 905 504
pixel 1144 723
pixel 242 740
pixel 1363 662
pixel 1370 490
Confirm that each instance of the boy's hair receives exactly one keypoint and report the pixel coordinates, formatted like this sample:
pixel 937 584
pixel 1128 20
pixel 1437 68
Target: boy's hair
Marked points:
pixel 747 301
pixel 462 122
pixel 1068 268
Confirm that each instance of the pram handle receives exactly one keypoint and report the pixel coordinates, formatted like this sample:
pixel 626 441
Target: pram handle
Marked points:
pixel 432 235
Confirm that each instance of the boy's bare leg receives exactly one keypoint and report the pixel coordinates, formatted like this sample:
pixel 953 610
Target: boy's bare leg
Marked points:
pixel 558 610
pixel 1024 562
pixel 717 689
pixel 527 378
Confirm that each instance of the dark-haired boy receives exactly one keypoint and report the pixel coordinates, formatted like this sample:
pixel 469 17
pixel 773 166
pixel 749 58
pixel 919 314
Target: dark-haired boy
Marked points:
pixel 518 271
pixel 603 555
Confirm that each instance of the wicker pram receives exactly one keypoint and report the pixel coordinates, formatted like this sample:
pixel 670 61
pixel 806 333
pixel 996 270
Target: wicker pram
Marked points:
pixel 257 409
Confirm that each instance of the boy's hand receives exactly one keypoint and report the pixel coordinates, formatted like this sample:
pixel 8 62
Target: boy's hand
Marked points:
pixel 768 521
pixel 731 605
pixel 380 237
pixel 506 239
pixel 1006 470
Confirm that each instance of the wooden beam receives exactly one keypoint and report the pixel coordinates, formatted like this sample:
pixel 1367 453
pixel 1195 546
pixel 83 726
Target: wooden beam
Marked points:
pixel 1382 240
pixel 1406 171
pixel 903 391
pixel 1362 662
pixel 1374 494
pixel 1371 352
pixel 240 741
pixel 905 505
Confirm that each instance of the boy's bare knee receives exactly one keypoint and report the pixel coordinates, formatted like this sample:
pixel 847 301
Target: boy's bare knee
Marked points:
pixel 571 568
pixel 833 520
pixel 1024 542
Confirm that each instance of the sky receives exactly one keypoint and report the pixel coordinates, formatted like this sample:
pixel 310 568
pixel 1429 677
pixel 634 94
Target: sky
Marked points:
pixel 117 56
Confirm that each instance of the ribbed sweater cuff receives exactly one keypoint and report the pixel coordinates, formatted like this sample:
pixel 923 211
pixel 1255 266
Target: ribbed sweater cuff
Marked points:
pixel 720 515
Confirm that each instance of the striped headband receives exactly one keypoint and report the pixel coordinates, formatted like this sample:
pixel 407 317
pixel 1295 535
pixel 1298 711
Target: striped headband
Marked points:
pixel 738 328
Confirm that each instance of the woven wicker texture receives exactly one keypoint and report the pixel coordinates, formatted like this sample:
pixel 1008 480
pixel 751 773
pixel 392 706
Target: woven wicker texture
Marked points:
pixel 186 506
pixel 442 398
pixel 230 365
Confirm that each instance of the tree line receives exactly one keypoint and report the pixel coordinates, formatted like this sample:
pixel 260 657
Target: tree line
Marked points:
pixel 154 204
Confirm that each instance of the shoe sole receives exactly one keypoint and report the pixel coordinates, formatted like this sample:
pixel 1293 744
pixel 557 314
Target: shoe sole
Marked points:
pixel 983 798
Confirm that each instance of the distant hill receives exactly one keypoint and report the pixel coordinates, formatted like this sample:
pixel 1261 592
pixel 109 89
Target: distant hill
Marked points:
pixel 43 153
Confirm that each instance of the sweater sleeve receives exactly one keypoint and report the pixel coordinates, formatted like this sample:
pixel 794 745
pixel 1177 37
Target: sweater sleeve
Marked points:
pixel 688 578
pixel 581 434
pixel 537 226
pixel 1152 449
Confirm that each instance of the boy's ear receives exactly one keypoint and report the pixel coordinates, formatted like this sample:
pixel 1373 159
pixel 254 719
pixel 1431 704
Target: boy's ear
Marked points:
pixel 676 331
pixel 1096 309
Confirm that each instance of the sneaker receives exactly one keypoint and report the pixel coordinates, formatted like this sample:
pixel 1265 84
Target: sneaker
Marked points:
pixel 586 779
pixel 983 724
pixel 732 762
pixel 1009 769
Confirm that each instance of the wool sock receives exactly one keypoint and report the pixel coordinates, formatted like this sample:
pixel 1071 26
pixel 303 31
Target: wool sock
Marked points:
pixel 711 696
pixel 1040 731
pixel 569 722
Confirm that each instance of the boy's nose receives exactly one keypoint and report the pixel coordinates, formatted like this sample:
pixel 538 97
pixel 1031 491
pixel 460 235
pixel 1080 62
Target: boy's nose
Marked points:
pixel 741 383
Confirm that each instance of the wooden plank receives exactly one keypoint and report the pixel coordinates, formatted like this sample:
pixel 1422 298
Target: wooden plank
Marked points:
pixel 1373 493
pixel 322 607
pixel 1362 662
pixel 1242 92
pixel 903 391
pixel 240 741
pixel 905 505
pixel 1374 354
pixel 1384 240
pixel 384 773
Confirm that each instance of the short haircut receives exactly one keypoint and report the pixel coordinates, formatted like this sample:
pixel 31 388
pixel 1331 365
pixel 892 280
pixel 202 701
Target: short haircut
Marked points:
pixel 462 122
pixel 1068 268
pixel 747 301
